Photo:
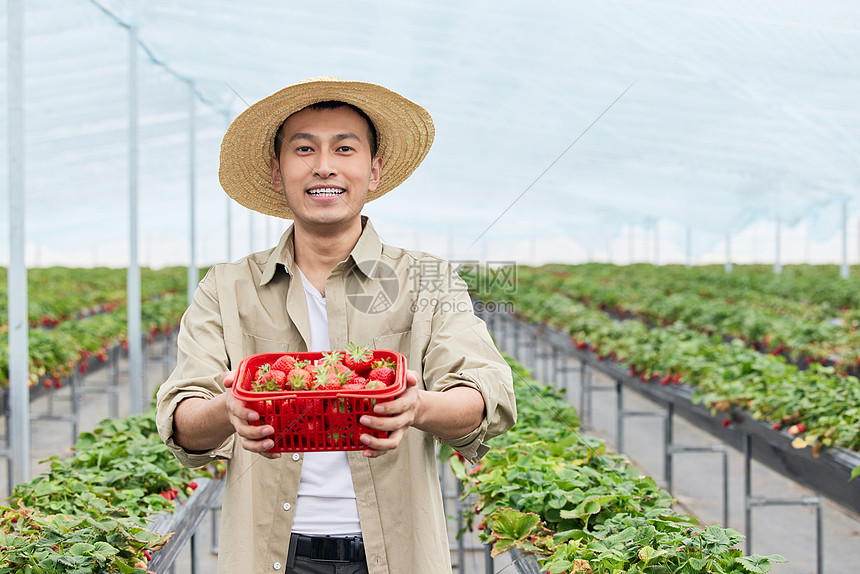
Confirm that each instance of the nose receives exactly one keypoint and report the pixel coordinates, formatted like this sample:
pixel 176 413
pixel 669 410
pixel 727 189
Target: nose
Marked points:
pixel 324 165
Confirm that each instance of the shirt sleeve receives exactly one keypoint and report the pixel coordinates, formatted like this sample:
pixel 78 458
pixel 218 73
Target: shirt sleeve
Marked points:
pixel 200 363
pixel 461 352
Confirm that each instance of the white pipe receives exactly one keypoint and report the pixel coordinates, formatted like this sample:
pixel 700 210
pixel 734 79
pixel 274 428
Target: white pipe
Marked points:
pixel 689 246
pixel 19 363
pixel 134 334
pixel 844 271
pixel 192 208
pixel 777 265
pixel 229 214
pixel 729 265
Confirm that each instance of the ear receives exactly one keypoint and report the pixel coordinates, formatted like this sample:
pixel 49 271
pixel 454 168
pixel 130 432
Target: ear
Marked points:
pixel 275 169
pixel 375 173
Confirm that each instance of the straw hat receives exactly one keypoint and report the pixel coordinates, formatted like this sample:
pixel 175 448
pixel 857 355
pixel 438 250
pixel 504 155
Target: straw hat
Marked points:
pixel 404 136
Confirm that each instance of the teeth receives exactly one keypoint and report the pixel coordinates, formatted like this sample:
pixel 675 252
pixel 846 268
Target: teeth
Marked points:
pixel 326 191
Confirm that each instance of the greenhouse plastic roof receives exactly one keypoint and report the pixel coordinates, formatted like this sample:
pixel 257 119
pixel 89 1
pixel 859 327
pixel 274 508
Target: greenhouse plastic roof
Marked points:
pixel 567 119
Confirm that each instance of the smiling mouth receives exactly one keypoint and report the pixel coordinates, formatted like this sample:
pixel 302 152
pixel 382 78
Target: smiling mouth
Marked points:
pixel 326 191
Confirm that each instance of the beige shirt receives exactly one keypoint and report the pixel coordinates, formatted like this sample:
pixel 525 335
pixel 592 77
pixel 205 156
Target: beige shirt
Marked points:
pixel 383 296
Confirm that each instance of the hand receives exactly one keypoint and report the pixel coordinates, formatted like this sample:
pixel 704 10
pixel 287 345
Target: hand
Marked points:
pixel 254 438
pixel 399 414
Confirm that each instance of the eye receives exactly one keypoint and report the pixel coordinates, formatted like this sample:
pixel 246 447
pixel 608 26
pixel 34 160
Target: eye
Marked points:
pixel 344 148
pixel 303 148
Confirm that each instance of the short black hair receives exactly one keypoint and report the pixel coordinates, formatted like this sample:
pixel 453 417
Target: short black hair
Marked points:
pixel 333 105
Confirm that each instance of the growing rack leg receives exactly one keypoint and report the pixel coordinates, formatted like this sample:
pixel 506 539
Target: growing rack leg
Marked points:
pixel 757 501
pixel 622 415
pixel 671 449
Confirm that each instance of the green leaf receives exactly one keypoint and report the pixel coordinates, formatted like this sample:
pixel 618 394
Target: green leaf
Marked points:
pixel 458 468
pixel 105 549
pixel 855 472
pixel 513 524
pixel 759 564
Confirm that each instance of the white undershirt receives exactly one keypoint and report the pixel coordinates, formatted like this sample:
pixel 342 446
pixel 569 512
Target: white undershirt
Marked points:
pixel 326 497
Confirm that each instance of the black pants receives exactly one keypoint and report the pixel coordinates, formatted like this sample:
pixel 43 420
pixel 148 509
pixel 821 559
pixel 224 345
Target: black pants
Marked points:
pixel 305 565
pixel 306 558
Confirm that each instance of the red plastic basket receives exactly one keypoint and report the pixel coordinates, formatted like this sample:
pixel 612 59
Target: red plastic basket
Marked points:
pixel 322 420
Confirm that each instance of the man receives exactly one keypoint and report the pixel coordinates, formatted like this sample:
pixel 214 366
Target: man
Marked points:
pixel 315 152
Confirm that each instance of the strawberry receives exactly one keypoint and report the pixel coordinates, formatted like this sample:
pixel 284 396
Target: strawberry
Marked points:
pixel 383 371
pixel 354 386
pixel 323 376
pixel 272 380
pixel 262 370
pixel 374 384
pixel 359 359
pixel 776 426
pixel 286 364
pixel 344 376
pixel 331 359
pixel 358 380
pixel 299 380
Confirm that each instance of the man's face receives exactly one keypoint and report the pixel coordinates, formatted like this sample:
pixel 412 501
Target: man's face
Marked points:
pixel 325 168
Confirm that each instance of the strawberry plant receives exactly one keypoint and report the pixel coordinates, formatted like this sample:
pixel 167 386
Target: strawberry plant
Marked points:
pixel 88 513
pixel 548 490
pixel 722 374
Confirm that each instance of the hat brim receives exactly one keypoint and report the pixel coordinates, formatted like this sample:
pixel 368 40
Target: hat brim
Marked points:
pixel 404 131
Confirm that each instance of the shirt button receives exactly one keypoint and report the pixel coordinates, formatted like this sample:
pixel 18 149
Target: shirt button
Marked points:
pixel 287 506
pixel 276 566
pixel 296 456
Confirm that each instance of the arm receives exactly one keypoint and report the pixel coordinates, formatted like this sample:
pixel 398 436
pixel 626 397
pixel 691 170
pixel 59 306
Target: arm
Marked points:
pixel 197 416
pixel 201 425
pixel 447 415
pixel 469 397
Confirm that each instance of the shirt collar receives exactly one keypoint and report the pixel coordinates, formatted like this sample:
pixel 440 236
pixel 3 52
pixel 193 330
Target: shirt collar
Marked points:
pixel 365 254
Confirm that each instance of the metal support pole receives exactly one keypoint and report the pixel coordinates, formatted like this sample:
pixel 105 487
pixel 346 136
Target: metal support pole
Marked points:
pixel 748 492
pixel 165 357
pixel 229 210
pixel 631 244
pixel 777 264
pixel 729 265
pixel 74 394
pixel 135 359
pixel 192 208
pixel 489 567
pixel 668 437
pixel 819 539
pixel 19 352
pixel 619 419
pixel 655 228
pixel 583 397
pixel 113 383
pixel 689 247
pixel 214 529
pixel 194 558
pixel 556 369
pixel 751 502
pixel 515 332
pixel 844 270
pixel 461 543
